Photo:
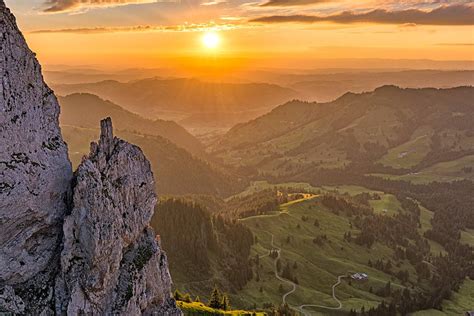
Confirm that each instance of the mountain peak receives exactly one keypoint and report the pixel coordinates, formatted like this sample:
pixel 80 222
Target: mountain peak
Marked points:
pixel 388 87
pixel 106 136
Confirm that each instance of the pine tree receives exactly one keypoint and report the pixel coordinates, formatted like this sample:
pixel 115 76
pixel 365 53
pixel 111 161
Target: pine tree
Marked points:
pixel 388 289
pixel 187 298
pixel 216 298
pixel 225 305
pixel 177 295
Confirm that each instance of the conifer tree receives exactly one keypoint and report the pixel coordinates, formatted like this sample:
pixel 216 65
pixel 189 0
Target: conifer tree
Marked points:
pixel 177 295
pixel 187 298
pixel 216 298
pixel 225 305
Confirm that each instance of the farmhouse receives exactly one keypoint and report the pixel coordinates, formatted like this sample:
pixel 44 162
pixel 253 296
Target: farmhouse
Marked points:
pixel 360 276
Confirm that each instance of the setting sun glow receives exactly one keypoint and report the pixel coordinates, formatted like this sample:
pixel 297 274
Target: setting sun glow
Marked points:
pixel 210 40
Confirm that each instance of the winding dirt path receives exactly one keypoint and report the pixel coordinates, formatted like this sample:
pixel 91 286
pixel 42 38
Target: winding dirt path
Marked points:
pixel 301 308
pixel 339 280
pixel 283 298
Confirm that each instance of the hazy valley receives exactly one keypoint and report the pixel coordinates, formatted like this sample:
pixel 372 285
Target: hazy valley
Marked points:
pixel 236 158
pixel 335 170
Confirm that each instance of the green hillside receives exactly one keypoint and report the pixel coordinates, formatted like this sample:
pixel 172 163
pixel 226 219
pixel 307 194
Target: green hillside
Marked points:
pixel 318 265
pixel 411 153
pixel 390 130
pixel 458 304
pixel 200 309
pixel 457 169
pixel 324 238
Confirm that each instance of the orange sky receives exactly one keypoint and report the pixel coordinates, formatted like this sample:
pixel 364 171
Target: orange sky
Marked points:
pixel 274 33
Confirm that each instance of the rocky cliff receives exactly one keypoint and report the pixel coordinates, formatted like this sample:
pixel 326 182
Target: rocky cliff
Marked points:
pixel 70 244
pixel 35 176
pixel 111 262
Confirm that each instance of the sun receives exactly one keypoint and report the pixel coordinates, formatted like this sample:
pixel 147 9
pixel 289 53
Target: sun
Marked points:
pixel 211 40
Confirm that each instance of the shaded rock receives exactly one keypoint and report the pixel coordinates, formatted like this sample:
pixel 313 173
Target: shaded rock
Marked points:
pixel 111 262
pixel 35 171
pixel 75 245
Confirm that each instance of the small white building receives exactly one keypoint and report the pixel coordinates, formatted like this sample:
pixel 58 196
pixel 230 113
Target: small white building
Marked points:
pixel 360 276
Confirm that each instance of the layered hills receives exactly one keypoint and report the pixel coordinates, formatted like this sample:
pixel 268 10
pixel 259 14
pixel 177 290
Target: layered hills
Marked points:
pixel 388 130
pixel 222 104
pixel 177 158
pixel 85 110
pixel 326 87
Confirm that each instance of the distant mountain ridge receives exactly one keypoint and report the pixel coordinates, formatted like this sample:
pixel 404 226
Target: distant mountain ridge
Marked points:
pixel 424 126
pixel 177 157
pixel 85 110
pixel 182 98
pixel 203 105
pixel 328 87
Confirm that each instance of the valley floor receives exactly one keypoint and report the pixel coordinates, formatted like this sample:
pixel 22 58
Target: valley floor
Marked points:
pixel 321 272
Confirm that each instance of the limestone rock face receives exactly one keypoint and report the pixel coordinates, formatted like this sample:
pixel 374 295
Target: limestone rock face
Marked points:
pixel 35 171
pixel 76 245
pixel 111 262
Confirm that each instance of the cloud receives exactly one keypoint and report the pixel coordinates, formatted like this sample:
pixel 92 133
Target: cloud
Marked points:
pixel 213 2
pixel 445 15
pixel 284 3
pixel 197 27
pixel 56 6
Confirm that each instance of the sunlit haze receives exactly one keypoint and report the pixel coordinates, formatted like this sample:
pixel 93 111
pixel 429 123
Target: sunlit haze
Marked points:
pixel 281 34
pixel 237 157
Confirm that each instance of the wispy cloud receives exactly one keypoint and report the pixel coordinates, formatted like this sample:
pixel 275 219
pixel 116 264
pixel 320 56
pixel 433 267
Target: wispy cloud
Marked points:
pixel 56 6
pixel 199 27
pixel 284 3
pixel 458 14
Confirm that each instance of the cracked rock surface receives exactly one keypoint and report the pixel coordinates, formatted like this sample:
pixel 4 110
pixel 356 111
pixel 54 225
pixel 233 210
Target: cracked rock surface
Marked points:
pixel 70 244
pixel 111 262
pixel 35 171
